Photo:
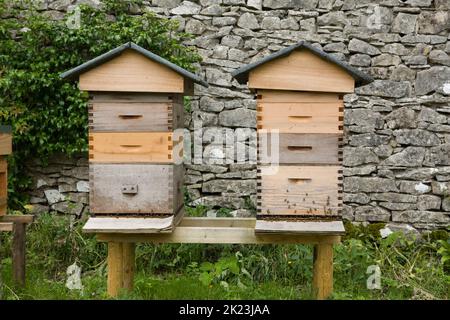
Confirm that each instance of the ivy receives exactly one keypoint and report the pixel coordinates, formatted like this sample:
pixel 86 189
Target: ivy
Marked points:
pixel 49 115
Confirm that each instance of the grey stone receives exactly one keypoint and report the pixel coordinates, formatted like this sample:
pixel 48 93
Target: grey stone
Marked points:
pixel 357 45
pixel 166 3
pixel 186 8
pixel 402 73
pixel 255 4
pixel 393 197
pixel 416 137
pixel 68 207
pixel 360 60
pixel 430 115
pixel 232 41
pixel 271 23
pixel 395 48
pixel 213 10
pixel 53 196
pixel 206 118
pixel 195 27
pixel 430 22
pixel 308 24
pixel 207 168
pixel 360 198
pixel 242 213
pixel 429 202
pixel 404 117
pixel 397 206
pixel 226 201
pixel 248 21
pixel 241 187
pixel 417 60
pixel 223 21
pixel 368 140
pixel 439 57
pixel 385 88
pixel 289 23
pixel 357 156
pixel 218 135
pixel 417 174
pixel 439 155
pixel 207 103
pixel 236 54
pixel 334 18
pixel 386 60
pixel 288 4
pixel 446 204
pixel 414 216
pixel 238 118
pixel 217 77
pixel 431 79
pixel 60 5
pixel 409 157
pixel 359 171
pixel 404 23
pixel 413 187
pixel 372 214
pixel 368 184
pixel 67 187
pixel 440 188
pixel 38 209
pixel 220 52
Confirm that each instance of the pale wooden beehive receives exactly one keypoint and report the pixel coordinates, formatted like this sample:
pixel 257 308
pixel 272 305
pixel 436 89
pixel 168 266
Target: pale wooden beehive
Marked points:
pixel 299 92
pixel 136 103
pixel 5 150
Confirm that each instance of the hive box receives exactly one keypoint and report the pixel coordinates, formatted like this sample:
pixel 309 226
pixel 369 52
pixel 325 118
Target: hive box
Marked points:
pixel 136 103
pixel 5 150
pixel 299 92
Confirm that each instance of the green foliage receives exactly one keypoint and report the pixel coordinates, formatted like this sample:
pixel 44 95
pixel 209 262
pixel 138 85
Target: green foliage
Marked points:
pixel 49 114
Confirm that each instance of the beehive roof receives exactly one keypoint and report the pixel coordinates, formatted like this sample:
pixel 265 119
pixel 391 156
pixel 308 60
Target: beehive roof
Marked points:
pixel 360 77
pixel 117 51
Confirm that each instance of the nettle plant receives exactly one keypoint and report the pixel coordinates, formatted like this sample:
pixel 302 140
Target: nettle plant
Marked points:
pixel 49 115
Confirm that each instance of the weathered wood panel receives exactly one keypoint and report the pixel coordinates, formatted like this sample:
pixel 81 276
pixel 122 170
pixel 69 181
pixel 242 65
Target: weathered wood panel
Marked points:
pixel 5 143
pixel 152 193
pixel 130 117
pixel 299 148
pixel 297 96
pixel 300 190
pixel 131 72
pixel 302 71
pixel 131 97
pixel 3 186
pixel 121 147
pixel 324 117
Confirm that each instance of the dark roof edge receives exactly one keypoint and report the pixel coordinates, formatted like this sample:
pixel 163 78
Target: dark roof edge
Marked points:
pixel 5 129
pixel 117 51
pixel 360 77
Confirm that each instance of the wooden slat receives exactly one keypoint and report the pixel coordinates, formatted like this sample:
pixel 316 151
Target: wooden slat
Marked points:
pixel 6 226
pixel 128 225
pixel 299 148
pixel 155 190
pixel 300 227
pixel 323 270
pixel 115 268
pixel 119 147
pixel 131 117
pixel 18 253
pixel 128 265
pixel 24 218
pixel 299 117
pixel 3 186
pixel 5 143
pixel 131 72
pixel 302 71
pixel 300 190
pixel 297 96
pixel 131 97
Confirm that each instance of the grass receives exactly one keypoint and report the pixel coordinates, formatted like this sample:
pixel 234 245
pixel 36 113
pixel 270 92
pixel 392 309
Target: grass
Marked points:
pixel 410 268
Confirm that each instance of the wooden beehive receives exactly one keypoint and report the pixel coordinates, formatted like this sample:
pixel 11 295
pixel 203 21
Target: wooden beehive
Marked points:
pixel 5 150
pixel 136 103
pixel 299 92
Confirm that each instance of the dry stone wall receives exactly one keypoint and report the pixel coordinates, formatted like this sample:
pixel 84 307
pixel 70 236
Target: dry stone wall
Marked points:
pixel 397 129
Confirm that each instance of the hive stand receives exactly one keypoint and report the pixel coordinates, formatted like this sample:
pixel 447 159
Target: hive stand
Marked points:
pixel 12 223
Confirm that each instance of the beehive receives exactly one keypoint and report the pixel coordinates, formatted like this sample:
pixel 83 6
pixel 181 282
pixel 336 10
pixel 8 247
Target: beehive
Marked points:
pixel 299 92
pixel 136 103
pixel 5 150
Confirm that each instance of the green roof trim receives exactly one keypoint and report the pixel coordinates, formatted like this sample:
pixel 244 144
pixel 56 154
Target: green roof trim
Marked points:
pixel 5 129
pixel 241 74
pixel 75 72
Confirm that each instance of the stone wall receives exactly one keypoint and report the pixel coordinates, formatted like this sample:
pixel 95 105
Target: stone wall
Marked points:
pixel 397 129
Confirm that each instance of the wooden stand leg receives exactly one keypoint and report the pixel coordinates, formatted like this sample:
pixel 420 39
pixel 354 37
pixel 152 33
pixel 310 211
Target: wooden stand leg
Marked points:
pixel 115 268
pixel 323 270
pixel 128 265
pixel 18 253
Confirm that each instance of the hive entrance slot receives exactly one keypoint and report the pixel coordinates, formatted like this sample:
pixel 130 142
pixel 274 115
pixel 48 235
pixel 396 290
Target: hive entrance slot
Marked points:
pixel 130 116
pixel 299 148
pixel 300 119
pixel 299 180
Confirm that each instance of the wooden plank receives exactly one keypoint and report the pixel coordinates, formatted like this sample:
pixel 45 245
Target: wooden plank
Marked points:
pixel 115 268
pixel 6 226
pixel 224 235
pixel 131 72
pixel 323 270
pixel 18 253
pixel 299 148
pixel 128 265
pixel 300 190
pixel 131 117
pixel 154 189
pixel 3 186
pixel 128 225
pixel 217 222
pixel 130 97
pixel 303 71
pixel 297 96
pixel 176 183
pixel 300 227
pixel 23 218
pixel 119 147
pixel 5 143
pixel 299 117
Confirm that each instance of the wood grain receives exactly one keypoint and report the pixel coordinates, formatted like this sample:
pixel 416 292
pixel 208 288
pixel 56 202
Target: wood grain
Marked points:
pixel 297 96
pixel 299 117
pixel 300 227
pixel 323 270
pixel 297 190
pixel 300 148
pixel 128 265
pixel 131 72
pixel 115 268
pixel 18 253
pixel 155 188
pixel 5 143
pixel 3 186
pixel 119 147
pixel 302 71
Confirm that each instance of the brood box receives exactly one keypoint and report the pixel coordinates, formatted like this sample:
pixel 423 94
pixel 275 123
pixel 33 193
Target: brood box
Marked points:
pixel 299 92
pixel 5 150
pixel 136 103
